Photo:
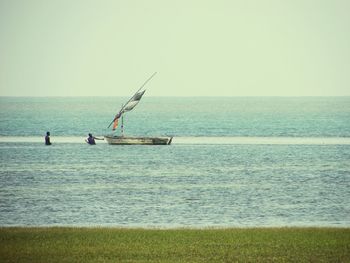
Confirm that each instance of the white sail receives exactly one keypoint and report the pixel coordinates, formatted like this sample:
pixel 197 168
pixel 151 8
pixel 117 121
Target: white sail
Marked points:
pixel 130 104
pixel 134 101
pixel 138 95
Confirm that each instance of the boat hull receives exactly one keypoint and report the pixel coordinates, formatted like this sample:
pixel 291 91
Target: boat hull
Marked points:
pixel 125 140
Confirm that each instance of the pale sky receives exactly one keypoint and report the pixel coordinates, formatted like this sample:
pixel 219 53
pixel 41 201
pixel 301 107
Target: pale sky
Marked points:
pixel 198 48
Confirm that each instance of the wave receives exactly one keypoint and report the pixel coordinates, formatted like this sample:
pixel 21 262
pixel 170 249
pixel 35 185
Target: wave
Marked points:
pixel 200 140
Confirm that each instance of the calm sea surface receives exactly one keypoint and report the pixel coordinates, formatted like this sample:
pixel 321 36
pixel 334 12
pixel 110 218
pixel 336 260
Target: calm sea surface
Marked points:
pixel 233 162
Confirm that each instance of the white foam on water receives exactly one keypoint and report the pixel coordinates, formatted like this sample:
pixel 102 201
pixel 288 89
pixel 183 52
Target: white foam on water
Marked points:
pixel 263 140
pixel 199 140
pixel 38 139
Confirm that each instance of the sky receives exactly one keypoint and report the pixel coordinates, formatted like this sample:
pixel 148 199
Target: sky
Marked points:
pixel 197 48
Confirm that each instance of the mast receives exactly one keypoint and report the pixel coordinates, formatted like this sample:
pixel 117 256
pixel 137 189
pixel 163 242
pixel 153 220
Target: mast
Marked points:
pixel 122 126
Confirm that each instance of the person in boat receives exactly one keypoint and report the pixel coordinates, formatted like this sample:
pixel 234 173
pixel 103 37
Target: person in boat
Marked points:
pixel 47 139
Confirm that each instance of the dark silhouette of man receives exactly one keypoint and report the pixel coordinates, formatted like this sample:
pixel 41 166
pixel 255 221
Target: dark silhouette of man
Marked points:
pixel 47 139
pixel 91 139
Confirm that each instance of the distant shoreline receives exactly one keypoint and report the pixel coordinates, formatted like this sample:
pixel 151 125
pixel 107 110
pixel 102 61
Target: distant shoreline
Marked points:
pixel 180 97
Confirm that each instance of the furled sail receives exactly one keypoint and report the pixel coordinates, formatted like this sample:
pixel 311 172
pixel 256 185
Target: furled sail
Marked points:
pixel 134 101
pixel 130 104
pixel 128 107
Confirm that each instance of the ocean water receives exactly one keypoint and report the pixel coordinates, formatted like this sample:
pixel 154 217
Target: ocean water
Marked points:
pixel 234 162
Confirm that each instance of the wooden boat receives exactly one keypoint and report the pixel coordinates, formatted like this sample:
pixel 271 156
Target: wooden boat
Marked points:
pixel 130 140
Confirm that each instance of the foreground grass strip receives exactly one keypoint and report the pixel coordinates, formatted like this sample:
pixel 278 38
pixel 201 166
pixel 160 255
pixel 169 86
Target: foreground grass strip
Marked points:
pixel 178 245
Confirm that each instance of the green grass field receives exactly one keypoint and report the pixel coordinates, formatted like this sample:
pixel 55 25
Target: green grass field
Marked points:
pixel 178 245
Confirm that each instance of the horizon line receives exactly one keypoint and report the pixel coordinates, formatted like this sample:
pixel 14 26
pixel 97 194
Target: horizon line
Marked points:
pixel 177 96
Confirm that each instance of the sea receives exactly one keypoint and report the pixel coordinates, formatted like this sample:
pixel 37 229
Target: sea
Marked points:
pixel 233 162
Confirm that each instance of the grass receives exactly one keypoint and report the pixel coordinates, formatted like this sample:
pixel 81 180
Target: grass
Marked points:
pixel 176 245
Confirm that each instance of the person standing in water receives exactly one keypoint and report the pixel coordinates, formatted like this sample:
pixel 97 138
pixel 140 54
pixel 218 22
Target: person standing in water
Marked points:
pixel 90 140
pixel 47 139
